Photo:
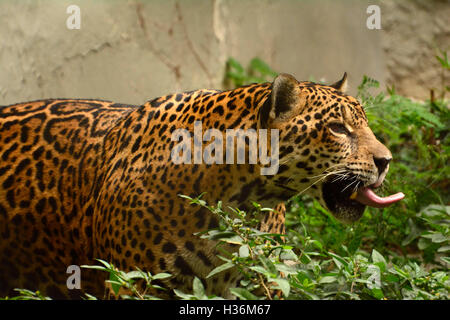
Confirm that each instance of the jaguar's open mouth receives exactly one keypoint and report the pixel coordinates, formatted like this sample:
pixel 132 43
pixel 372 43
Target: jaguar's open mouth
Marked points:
pixel 348 203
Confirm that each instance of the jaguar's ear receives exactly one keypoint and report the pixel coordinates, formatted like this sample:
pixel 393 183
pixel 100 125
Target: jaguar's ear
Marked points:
pixel 341 85
pixel 282 102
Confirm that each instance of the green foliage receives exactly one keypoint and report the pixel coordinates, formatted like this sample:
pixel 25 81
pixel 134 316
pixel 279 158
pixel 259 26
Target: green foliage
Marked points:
pixel 418 136
pixel 25 294
pixel 256 255
pixel 256 72
pixel 312 263
pixel 198 292
pixel 129 281
pixel 445 63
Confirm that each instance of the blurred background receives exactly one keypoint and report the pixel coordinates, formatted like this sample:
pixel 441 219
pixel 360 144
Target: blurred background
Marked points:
pixel 132 51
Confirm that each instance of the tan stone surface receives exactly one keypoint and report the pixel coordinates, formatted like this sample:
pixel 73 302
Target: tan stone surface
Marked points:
pixel 414 33
pixel 131 51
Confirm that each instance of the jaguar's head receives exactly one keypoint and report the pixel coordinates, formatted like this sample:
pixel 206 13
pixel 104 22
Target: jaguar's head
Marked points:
pixel 326 148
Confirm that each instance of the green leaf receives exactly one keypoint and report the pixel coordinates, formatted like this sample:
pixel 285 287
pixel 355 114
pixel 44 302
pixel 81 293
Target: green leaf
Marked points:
pixel 318 244
pixel 90 297
pixel 286 269
pixel 268 264
pixel 198 288
pixel 444 60
pixel 422 244
pixel 161 275
pixel 338 261
pixel 288 254
pixel 244 251
pixel 418 111
pixel 392 278
pixel 243 294
pixel 304 258
pixel 378 258
pixel 444 249
pixel 328 279
pixel 238 78
pixel 106 264
pixel 377 293
pixel 234 240
pixel 233 63
pixel 220 268
pixel 436 210
pixel 259 65
pixel 446 259
pixel 413 234
pixel 283 285
pixel 134 275
pixel 436 237
pixel 114 280
pixel 259 269
pixel 400 272
pixel 94 267
pixel 183 295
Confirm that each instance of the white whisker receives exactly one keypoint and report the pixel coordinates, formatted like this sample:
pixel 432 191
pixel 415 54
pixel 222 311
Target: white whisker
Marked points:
pixel 349 185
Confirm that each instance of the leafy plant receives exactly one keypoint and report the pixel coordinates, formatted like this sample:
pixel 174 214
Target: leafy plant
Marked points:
pixel 304 267
pixel 257 254
pixel 198 292
pixel 445 63
pixel 443 60
pixel 25 294
pixel 256 72
pixel 129 281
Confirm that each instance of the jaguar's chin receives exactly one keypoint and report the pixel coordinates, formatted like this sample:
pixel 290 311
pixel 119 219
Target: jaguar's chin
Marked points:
pixel 338 195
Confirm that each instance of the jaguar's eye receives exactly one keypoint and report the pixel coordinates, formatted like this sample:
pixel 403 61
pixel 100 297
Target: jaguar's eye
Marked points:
pixel 338 128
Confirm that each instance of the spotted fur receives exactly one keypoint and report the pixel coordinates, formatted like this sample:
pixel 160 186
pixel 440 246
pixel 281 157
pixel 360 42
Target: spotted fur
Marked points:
pixel 86 179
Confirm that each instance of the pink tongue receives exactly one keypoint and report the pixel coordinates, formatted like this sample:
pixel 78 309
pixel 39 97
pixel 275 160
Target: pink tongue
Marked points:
pixel 369 198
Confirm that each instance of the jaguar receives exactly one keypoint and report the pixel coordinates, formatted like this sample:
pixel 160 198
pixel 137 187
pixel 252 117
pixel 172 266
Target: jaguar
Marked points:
pixel 91 179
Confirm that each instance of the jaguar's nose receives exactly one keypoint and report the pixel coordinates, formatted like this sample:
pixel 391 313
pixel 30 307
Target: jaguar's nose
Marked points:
pixel 381 164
